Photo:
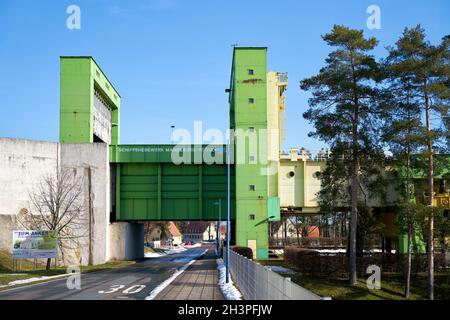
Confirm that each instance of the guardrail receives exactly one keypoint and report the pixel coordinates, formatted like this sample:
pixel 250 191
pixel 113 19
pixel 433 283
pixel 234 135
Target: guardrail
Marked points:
pixel 257 282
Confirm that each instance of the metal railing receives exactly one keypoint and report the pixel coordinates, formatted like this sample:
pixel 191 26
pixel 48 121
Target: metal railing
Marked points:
pixel 257 282
pixel 283 77
pixel 322 242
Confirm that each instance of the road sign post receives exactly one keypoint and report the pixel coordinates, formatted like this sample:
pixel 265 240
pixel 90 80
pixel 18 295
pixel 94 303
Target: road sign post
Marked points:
pixel 227 263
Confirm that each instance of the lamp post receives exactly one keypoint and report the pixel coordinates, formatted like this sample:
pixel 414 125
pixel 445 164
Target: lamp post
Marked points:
pixel 227 263
pixel 171 136
pixel 219 203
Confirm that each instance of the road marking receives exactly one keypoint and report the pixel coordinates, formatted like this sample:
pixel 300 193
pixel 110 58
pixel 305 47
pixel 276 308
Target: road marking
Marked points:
pixel 134 289
pixel 114 288
pixel 131 290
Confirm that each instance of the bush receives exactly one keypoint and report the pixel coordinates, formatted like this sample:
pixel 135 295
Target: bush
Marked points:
pixel 243 251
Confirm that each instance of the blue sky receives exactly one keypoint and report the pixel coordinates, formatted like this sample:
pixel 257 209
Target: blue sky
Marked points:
pixel 170 59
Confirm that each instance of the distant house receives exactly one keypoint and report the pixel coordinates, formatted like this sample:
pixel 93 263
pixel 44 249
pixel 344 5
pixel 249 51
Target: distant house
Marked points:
pixel 175 235
pixel 223 231
pixel 288 228
pixel 172 235
pixel 312 232
pixel 200 231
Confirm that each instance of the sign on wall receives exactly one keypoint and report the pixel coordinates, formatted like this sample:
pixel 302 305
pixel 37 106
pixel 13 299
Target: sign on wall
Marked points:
pixel 35 244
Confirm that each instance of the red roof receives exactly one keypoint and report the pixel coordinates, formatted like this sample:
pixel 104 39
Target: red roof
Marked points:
pixel 197 227
pixel 313 232
pixel 173 229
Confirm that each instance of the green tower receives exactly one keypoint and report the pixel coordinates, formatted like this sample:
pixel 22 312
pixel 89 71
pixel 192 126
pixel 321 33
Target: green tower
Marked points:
pixel 89 104
pixel 248 119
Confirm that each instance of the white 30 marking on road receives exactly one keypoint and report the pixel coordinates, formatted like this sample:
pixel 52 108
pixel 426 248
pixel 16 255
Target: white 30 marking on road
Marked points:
pixel 138 287
pixel 116 287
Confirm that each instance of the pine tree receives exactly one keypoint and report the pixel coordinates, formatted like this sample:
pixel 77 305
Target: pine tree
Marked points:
pixel 424 68
pixel 343 110
pixel 403 136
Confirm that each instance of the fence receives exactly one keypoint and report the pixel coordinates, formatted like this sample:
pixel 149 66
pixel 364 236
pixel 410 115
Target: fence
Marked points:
pixel 322 242
pixel 257 282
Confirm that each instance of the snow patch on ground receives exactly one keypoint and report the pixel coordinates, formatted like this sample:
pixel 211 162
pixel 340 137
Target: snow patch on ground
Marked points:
pixel 280 269
pixel 330 250
pixel 167 282
pixel 197 245
pixel 229 291
pixel 30 280
pixel 334 251
pixel 173 250
pixel 154 254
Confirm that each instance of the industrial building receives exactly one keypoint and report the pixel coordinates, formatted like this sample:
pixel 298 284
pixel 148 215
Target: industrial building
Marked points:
pixel 128 184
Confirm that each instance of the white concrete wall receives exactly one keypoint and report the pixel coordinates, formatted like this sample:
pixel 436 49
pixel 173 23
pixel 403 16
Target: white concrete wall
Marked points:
pixel 312 182
pixel 301 189
pixel 291 188
pixel 23 163
pixel 93 157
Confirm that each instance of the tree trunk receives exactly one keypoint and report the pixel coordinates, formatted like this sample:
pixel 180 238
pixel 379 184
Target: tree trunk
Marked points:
pixel 353 224
pixel 410 229
pixel 430 251
pixel 355 172
pixel 408 260
pixel 49 261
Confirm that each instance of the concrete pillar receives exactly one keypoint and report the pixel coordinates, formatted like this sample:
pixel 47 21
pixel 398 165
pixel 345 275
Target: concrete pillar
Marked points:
pixel 126 241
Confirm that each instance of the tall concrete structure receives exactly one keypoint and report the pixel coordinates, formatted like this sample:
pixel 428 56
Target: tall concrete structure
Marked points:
pixel 126 184
pixel 255 99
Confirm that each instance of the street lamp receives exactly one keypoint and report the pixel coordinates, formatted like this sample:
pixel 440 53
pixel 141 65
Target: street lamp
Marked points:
pixel 227 263
pixel 171 136
pixel 218 203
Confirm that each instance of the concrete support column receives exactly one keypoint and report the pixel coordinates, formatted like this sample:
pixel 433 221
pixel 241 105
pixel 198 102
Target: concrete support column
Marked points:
pixel 126 241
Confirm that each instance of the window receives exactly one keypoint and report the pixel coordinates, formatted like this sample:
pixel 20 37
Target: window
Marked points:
pixel 251 159
pixel 251 129
pixel 251 100
pixel 250 72
pixel 251 217
pixel 251 187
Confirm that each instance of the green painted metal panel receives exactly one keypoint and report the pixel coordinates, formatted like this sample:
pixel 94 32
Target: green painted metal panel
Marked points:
pixel 274 209
pixel 165 191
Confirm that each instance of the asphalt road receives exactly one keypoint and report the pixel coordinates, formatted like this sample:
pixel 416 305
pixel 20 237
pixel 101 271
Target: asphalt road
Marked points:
pixel 132 282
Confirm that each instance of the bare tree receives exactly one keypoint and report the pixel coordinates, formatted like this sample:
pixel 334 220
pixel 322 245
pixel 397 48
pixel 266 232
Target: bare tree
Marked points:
pixel 56 203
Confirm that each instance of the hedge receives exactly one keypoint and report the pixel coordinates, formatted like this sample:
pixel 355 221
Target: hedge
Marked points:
pixel 243 251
